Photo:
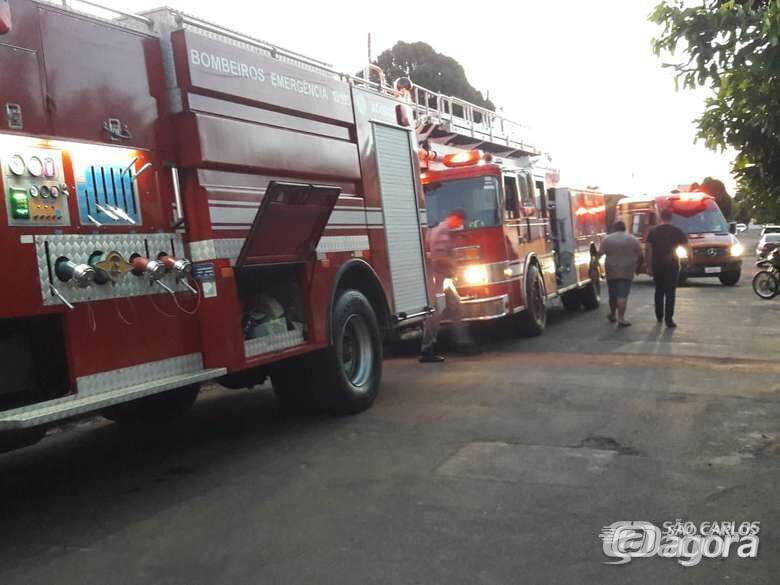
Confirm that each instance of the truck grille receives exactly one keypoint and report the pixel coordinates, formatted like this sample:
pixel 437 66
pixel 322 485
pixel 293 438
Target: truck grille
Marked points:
pixel 711 252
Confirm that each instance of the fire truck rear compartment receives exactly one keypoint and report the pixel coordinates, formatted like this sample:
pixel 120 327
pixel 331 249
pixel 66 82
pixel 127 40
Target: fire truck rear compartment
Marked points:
pixel 273 307
pixel 34 364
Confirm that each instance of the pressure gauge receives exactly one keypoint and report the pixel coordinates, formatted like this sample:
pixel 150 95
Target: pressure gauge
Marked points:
pixel 16 165
pixel 34 191
pixel 45 192
pixel 35 166
pixel 55 191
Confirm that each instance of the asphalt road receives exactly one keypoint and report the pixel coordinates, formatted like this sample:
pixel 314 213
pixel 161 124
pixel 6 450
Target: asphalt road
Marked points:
pixel 500 468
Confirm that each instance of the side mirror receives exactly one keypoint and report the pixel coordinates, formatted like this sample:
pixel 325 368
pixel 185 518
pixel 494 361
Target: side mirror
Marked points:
pixel 732 227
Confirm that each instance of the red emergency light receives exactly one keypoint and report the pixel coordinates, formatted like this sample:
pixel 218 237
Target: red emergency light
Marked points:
pixel 590 210
pixel 466 158
pixel 689 203
pixel 692 196
pixel 5 17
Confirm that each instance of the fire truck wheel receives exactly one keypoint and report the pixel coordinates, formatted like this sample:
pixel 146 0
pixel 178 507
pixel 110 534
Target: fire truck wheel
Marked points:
pixel 296 386
pixel 534 318
pixel 729 278
pixel 10 440
pixel 157 408
pixel 571 300
pixel 591 293
pixel 352 366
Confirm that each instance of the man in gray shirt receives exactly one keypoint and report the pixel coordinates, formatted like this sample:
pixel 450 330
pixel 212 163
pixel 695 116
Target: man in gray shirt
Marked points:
pixel 624 253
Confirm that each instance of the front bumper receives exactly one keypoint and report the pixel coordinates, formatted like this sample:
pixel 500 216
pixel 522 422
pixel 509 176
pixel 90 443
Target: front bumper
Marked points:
pixel 697 269
pixel 483 309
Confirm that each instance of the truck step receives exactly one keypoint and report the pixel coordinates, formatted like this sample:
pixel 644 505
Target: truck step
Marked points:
pixel 61 408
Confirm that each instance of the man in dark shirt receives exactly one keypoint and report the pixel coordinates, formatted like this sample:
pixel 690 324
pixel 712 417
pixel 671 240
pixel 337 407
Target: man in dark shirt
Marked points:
pixel 664 265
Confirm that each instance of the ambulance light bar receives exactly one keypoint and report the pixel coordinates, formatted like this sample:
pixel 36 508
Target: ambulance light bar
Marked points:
pixel 692 196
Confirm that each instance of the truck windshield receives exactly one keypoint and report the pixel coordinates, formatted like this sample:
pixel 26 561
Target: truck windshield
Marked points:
pixel 708 220
pixel 478 197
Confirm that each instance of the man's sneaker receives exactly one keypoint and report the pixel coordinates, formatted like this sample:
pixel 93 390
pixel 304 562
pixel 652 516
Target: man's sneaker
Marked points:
pixel 671 324
pixel 430 358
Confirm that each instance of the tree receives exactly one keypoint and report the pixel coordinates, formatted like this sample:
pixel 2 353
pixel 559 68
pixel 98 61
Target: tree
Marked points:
pixel 432 70
pixel 733 48
pixel 717 189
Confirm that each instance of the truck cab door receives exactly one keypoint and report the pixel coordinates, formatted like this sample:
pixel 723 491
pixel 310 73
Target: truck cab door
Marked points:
pixel 289 224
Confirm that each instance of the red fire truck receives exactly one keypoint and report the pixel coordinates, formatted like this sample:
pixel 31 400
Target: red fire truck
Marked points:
pixel 525 241
pixel 713 250
pixel 184 203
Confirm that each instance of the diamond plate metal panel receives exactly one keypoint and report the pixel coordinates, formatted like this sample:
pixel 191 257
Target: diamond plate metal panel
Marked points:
pixel 61 408
pixel 202 251
pixel 78 248
pixel 228 248
pixel 269 343
pixel 342 244
pixel 140 374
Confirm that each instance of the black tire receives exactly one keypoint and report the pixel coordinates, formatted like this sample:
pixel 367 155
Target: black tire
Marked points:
pixel 155 409
pixel 571 300
pixel 729 278
pixel 682 280
pixel 343 379
pixel 533 319
pixel 352 366
pixel 296 384
pixel 590 294
pixel 11 440
pixel 765 285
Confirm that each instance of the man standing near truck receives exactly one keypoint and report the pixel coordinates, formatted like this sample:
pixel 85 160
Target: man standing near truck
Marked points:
pixel 441 246
pixel 664 265
pixel 623 252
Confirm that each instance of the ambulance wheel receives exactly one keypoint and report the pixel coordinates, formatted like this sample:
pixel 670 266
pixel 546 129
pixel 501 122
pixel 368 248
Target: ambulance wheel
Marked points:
pixel 534 318
pixel 571 300
pixel 18 439
pixel 730 278
pixel 590 294
pixel 157 408
pixel 351 369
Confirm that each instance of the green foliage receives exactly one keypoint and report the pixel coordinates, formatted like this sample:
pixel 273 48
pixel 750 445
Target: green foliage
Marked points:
pixel 717 189
pixel 733 48
pixel 432 70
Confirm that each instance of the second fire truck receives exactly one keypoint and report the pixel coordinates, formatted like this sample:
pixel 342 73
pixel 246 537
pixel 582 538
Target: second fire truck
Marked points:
pixel 525 240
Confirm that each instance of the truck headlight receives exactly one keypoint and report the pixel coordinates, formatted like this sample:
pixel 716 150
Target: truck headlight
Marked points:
pixel 737 249
pixel 475 274
pixel 681 252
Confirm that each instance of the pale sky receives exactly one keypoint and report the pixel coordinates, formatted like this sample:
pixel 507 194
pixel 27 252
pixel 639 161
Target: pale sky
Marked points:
pixel 582 74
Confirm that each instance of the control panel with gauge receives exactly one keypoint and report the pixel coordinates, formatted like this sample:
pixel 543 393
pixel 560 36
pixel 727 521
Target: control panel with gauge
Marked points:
pixel 35 190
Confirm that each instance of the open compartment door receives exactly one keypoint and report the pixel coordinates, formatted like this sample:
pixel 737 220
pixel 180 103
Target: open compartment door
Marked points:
pixel 289 224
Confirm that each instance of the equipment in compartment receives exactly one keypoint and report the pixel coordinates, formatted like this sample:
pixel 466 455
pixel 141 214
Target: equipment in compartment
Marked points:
pixel 273 310
pixel 35 190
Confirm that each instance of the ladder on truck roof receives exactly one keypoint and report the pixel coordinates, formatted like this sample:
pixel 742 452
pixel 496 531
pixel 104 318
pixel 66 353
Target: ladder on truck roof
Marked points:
pixel 455 122
pixel 439 118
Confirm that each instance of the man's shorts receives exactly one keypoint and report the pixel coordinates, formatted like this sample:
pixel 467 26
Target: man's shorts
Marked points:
pixel 618 288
